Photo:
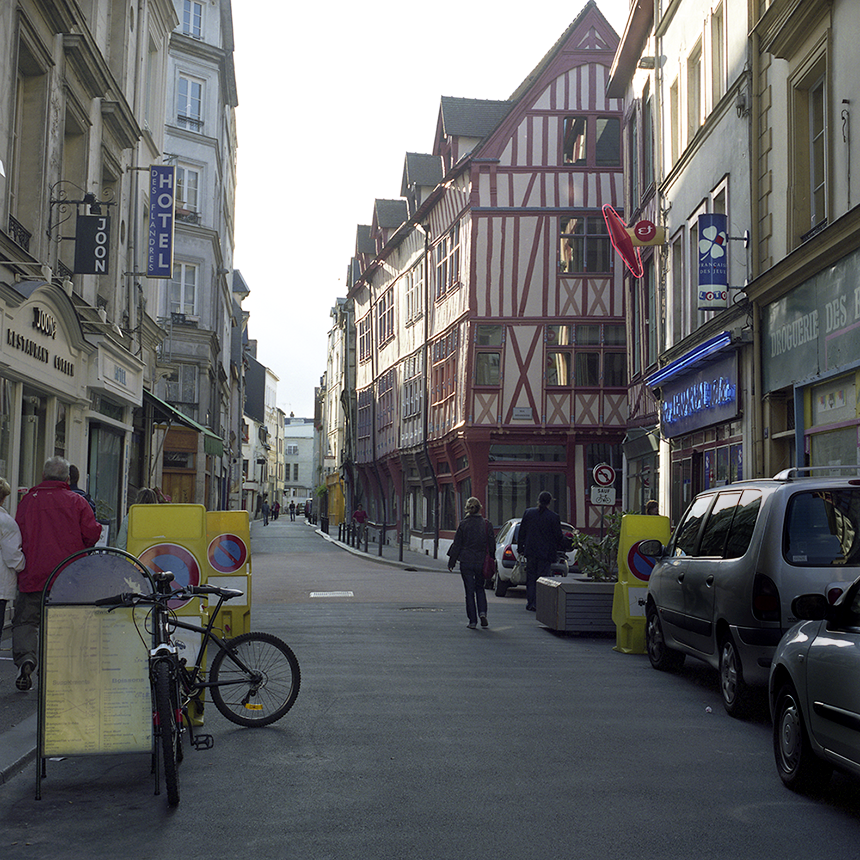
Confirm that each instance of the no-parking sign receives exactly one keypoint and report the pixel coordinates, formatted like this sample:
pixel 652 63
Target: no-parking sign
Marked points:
pixel 638 564
pixel 175 559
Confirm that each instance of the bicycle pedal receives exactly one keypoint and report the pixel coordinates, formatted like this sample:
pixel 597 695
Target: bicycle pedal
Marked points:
pixel 203 742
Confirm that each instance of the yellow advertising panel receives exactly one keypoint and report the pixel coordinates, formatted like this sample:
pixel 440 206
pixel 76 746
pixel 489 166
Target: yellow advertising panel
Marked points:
pixel 228 564
pixel 634 571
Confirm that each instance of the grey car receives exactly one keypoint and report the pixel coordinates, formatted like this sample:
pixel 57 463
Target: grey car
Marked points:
pixel 814 694
pixel 722 590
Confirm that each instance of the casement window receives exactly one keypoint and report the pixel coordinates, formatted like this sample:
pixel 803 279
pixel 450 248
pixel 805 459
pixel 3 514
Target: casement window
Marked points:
pixel 586 355
pixel 647 143
pixel 182 289
pixel 694 91
pixel 385 400
pixel 182 386
pixel 718 54
pixel 447 262
pixel 292 450
pixel 189 103
pixel 413 386
pixel 488 354
pixel 364 343
pixel 591 141
pixel 187 188
pixel 584 245
pixel 192 19
pixel 633 160
pixel 443 374
pixel 295 472
pixel 385 317
pixel 414 293
pixel 675 121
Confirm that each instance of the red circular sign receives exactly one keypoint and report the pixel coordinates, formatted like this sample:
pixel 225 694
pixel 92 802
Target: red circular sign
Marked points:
pixel 175 559
pixel 604 475
pixel 645 231
pixel 638 564
pixel 227 553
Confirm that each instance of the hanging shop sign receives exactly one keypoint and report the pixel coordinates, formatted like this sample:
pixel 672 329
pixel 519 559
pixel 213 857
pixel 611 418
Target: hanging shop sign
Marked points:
pixel 162 197
pixel 92 244
pixel 628 240
pixel 708 396
pixel 713 269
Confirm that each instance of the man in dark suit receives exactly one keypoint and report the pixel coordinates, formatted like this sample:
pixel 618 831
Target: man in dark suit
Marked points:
pixel 540 540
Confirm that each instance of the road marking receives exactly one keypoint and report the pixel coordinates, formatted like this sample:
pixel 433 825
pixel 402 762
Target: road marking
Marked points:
pixel 332 594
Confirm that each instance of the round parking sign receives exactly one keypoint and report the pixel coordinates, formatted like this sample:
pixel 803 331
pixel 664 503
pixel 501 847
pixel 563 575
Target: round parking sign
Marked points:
pixel 227 553
pixel 175 559
pixel 638 564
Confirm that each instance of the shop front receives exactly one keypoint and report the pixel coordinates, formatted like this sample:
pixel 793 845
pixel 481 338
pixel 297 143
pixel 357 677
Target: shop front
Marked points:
pixel 700 415
pixel 810 367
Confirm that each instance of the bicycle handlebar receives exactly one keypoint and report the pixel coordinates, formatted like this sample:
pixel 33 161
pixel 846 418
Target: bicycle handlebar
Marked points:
pixel 131 598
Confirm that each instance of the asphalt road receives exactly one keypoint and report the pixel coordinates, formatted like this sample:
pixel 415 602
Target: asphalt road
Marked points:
pixel 414 737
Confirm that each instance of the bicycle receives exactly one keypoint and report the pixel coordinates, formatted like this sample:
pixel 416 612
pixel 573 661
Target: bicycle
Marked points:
pixel 254 678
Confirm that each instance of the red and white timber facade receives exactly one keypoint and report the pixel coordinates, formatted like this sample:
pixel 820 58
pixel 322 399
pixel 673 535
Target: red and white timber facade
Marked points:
pixel 490 328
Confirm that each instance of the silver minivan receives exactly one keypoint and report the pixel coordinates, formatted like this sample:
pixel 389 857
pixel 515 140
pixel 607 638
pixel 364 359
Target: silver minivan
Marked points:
pixel 722 589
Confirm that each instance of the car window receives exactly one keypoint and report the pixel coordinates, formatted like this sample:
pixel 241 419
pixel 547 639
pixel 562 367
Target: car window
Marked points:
pixel 500 537
pixel 743 524
pixel 718 525
pixel 823 528
pixel 684 542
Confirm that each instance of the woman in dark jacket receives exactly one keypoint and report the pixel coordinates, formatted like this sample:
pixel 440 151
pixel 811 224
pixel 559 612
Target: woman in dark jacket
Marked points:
pixel 473 541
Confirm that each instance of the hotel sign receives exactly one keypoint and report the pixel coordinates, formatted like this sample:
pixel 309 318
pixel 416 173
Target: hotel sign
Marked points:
pixel 162 195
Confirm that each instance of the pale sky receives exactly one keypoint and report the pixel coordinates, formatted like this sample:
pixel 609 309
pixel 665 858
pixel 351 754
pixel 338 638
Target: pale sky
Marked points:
pixel 331 98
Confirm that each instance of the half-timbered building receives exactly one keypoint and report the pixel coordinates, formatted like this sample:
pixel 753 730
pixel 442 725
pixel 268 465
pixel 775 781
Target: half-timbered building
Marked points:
pixel 490 332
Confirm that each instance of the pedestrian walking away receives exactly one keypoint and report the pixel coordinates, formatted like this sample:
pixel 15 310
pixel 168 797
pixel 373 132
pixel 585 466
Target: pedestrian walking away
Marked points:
pixel 55 523
pixel 265 510
pixel 11 555
pixel 473 541
pixel 540 540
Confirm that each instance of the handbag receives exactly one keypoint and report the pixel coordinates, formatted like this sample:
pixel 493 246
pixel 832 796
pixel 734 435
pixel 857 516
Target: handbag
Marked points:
pixel 489 560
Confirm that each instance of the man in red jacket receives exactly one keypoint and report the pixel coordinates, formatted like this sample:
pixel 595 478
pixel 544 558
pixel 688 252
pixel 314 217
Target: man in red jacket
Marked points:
pixel 55 522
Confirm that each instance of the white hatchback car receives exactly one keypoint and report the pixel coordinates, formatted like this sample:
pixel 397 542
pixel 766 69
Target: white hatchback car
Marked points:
pixel 508 575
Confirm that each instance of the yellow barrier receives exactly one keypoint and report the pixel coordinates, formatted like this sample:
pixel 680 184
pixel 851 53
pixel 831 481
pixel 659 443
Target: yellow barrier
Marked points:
pixel 634 570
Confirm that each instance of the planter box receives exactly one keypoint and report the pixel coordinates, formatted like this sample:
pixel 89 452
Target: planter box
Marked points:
pixel 575 607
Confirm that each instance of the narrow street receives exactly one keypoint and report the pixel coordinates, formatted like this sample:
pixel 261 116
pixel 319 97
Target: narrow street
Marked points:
pixel 416 737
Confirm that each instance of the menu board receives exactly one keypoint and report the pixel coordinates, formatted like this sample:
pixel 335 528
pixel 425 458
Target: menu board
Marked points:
pixel 96 682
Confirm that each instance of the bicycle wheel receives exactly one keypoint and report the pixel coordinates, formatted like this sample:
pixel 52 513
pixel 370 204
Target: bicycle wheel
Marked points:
pixel 265 690
pixel 167 729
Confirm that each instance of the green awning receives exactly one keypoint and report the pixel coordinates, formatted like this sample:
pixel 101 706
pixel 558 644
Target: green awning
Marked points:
pixel 212 444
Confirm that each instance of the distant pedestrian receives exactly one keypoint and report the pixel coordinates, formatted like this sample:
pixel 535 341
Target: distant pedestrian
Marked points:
pixel 54 523
pixel 652 509
pixel 292 511
pixel 145 496
pixel 540 541
pixel 472 542
pixel 276 510
pixel 360 518
pixel 11 556
pixel 265 510
pixel 74 477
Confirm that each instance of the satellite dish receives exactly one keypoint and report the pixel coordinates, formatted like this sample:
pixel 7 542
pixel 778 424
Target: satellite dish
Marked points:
pixel 621 241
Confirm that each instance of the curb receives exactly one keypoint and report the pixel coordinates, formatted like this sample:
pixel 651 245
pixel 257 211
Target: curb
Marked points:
pixel 19 748
pixel 403 565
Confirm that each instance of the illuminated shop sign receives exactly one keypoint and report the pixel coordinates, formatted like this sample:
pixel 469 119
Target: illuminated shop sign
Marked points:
pixel 696 400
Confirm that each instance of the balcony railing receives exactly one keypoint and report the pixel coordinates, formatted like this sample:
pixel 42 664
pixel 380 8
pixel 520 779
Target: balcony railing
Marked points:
pixel 191 122
pixel 20 235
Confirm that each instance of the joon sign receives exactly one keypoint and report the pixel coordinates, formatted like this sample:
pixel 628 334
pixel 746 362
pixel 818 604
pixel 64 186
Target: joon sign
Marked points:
pixel 162 196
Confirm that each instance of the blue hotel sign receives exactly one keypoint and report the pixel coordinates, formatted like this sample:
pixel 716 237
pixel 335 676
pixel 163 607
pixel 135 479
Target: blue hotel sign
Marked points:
pixel 700 399
pixel 162 187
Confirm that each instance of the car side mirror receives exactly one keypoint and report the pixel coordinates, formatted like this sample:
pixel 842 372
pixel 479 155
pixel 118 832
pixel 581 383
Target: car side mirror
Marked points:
pixel 652 548
pixel 810 607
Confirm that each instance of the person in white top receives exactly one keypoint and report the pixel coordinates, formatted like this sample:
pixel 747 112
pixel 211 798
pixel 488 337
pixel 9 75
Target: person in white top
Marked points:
pixel 11 556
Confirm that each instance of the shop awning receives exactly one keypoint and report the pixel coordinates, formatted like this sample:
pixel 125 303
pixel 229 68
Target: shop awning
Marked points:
pixel 700 355
pixel 212 444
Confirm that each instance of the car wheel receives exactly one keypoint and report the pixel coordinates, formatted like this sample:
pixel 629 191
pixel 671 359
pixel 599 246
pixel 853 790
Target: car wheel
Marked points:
pixel 798 766
pixel 662 658
pixel 732 687
pixel 501 586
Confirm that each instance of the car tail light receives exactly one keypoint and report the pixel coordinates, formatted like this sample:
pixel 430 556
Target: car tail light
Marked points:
pixel 765 598
pixel 834 593
pixel 508 554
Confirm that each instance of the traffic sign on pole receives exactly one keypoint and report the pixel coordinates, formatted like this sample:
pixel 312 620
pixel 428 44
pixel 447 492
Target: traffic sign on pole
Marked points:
pixel 604 475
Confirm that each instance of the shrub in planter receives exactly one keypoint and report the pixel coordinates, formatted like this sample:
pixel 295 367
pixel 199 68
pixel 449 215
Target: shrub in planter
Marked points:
pixel 597 557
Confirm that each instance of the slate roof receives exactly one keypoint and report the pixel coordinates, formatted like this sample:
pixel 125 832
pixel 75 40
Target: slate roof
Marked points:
pixel 363 243
pixel 421 169
pixel 472 117
pixel 390 214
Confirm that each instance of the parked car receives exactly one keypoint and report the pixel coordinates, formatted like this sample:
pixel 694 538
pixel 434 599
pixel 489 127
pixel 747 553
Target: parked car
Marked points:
pixel 722 589
pixel 507 557
pixel 813 692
